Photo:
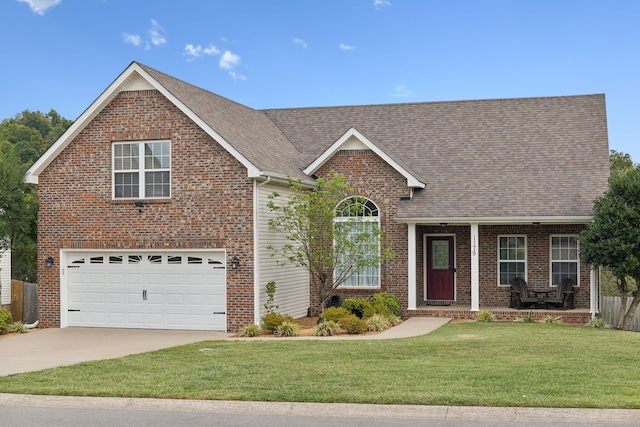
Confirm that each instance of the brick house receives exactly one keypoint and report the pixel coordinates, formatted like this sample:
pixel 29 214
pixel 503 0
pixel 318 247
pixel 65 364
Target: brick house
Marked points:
pixel 153 203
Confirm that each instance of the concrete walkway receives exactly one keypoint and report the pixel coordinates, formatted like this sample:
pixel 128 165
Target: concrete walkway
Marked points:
pixel 53 347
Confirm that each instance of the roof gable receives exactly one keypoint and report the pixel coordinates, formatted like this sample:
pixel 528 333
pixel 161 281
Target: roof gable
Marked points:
pixel 256 137
pixel 353 139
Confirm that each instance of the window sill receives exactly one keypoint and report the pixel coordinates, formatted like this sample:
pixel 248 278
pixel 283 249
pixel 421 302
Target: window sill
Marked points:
pixel 145 202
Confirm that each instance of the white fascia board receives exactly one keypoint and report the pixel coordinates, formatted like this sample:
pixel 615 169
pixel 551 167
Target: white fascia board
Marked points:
pixel 329 152
pixel 499 220
pixel 98 105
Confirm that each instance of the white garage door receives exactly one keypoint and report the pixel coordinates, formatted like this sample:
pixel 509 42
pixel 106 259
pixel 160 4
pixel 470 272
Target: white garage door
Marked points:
pixel 152 290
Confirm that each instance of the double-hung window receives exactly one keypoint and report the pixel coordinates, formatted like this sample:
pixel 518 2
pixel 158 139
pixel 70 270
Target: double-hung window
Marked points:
pixel 142 170
pixel 565 262
pixel 361 216
pixel 512 259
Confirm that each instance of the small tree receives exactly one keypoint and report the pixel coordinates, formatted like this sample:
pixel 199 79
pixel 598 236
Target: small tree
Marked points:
pixel 331 252
pixel 613 238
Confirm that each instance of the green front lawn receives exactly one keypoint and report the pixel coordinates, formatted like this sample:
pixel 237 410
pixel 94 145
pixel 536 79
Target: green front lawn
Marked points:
pixel 483 364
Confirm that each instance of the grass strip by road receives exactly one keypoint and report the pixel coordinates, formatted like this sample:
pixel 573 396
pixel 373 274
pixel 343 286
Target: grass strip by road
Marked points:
pixel 465 364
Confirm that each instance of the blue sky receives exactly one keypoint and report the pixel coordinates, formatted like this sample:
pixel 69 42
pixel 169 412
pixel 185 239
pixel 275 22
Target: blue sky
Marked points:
pixel 61 54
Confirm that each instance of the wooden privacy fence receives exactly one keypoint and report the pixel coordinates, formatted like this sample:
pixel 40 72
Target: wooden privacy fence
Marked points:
pixel 609 309
pixel 24 301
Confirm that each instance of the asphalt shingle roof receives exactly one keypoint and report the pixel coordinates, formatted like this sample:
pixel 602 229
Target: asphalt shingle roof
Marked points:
pixel 524 157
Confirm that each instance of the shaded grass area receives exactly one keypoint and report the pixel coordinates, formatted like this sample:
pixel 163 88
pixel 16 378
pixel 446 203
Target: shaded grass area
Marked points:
pixel 466 364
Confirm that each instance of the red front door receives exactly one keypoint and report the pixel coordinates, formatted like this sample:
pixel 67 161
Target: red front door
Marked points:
pixel 440 268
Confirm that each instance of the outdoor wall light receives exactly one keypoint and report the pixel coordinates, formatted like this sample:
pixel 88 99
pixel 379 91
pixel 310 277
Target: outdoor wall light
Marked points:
pixel 139 205
pixel 234 263
pixel 443 224
pixel 48 262
pixel 536 224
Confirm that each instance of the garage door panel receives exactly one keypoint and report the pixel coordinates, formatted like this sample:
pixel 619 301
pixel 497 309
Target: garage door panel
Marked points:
pixel 152 290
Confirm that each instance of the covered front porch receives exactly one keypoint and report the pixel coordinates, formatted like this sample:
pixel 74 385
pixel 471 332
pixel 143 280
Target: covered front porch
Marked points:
pixel 457 268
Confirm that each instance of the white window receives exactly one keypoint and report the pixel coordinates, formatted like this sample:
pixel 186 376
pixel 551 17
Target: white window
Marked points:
pixel 142 170
pixel 512 259
pixel 362 218
pixel 565 261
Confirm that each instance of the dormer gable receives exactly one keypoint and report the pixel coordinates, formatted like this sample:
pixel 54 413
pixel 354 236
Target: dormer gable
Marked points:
pixel 355 140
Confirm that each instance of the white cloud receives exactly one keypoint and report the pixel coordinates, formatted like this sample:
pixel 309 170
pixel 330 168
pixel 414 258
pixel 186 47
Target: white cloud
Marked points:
pixel 379 4
pixel 157 39
pixel 197 51
pixel 237 76
pixel 41 6
pixel 299 42
pixel 133 39
pixel 402 91
pixel 229 61
pixel 346 47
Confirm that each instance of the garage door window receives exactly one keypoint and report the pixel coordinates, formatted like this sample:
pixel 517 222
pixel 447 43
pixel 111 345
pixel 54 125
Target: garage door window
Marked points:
pixel 142 170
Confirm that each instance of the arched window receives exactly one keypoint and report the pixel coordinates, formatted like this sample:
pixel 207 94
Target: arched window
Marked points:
pixel 359 218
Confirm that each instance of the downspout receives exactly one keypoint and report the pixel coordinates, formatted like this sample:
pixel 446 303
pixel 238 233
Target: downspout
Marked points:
pixel 256 249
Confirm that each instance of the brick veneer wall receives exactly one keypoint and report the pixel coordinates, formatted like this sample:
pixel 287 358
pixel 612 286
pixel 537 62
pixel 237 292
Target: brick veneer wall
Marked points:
pixel 211 203
pixel 370 176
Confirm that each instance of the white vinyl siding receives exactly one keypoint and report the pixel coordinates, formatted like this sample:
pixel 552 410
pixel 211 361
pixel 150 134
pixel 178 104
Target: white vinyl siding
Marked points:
pixel 292 283
pixel 5 277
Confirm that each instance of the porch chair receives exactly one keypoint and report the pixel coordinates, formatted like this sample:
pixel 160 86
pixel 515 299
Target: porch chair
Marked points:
pixel 563 299
pixel 520 295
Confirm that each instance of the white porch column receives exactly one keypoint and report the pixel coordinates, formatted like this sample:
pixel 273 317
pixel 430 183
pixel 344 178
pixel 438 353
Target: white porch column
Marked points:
pixel 595 292
pixel 475 268
pixel 411 256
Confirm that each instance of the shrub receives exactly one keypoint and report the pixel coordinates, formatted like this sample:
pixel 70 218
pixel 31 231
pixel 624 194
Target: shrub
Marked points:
pixel 553 320
pixel 288 328
pixel 271 321
pixel 597 323
pixel 270 289
pixel 378 323
pixel 250 331
pixel 359 306
pixel 485 316
pixel 526 319
pixel 352 324
pixel 384 302
pixel 327 328
pixel 5 320
pixel 334 313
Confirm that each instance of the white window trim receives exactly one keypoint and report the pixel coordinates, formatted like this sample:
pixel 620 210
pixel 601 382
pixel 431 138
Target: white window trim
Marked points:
pixel 375 219
pixel 551 260
pixel 141 169
pixel 526 257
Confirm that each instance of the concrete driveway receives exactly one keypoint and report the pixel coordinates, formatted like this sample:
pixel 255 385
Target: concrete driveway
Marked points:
pixel 53 347
pixel 49 348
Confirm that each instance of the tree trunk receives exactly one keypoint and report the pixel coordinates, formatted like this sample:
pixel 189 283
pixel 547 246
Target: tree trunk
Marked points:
pixel 624 292
pixel 628 317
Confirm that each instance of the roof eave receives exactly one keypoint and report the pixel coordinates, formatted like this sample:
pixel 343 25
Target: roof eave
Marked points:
pixel 515 220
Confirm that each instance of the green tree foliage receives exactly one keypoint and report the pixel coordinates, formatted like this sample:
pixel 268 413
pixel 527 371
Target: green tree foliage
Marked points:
pixel 613 238
pixel 315 243
pixel 23 139
pixel 619 162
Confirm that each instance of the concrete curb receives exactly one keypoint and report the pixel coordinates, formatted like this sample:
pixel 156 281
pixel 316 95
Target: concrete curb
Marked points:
pixel 344 410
